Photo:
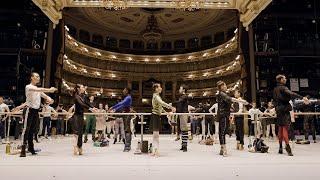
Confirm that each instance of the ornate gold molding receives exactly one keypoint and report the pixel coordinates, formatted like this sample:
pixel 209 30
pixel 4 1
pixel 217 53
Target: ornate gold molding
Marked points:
pixel 80 69
pixel 86 50
pixel 249 9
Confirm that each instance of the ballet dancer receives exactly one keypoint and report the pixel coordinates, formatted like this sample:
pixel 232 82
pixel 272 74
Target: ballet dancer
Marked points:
pixel 157 109
pixel 78 118
pixel 33 101
pixel 224 104
pixel 281 96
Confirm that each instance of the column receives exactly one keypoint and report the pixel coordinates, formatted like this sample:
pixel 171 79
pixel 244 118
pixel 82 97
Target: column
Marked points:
pixel 252 65
pixel 49 56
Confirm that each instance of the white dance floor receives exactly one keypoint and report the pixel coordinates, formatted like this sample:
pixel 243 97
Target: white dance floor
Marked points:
pixel 56 162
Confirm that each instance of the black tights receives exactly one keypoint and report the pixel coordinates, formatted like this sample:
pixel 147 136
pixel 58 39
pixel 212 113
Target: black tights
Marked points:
pixel 78 123
pixel 239 129
pixel 223 129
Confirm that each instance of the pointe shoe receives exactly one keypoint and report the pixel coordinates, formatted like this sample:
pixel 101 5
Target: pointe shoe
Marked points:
pixel 75 150
pixel 288 149
pixel 156 153
pixel 221 151
pixel 85 139
pixel 280 150
pixel 224 151
pixel 185 149
pixel 23 151
pixel 241 148
pixel 80 151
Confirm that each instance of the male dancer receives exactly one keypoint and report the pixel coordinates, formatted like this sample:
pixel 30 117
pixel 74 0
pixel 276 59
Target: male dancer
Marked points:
pixel 182 107
pixel 124 106
pixel 33 100
pixel 224 104
pixel 281 96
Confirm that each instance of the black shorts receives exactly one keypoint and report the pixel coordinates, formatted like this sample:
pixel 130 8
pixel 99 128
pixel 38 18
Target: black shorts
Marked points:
pixel 155 122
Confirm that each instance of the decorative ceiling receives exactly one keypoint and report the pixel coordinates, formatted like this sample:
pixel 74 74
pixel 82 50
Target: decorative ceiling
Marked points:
pixel 248 9
pixel 133 21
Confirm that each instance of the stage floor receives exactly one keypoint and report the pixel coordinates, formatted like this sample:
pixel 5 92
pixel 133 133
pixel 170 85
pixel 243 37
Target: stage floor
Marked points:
pixel 56 162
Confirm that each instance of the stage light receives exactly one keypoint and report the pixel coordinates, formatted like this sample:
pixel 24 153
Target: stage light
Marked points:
pixel 113 75
pixel 238 57
pixel 204 94
pixel 98 53
pixel 234 38
pixel 218 50
pixel 190 57
pixel 227 45
pixel 174 59
pixel 146 60
pixel 69 37
pixel 235 31
pixel 98 73
pixel 157 60
pixel 76 44
pixel 129 58
pixel 190 76
pixel 65 56
pixel 190 94
pixel 205 54
pixel 113 57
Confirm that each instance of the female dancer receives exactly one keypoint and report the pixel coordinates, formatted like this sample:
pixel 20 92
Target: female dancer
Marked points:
pixel 78 121
pixel 157 109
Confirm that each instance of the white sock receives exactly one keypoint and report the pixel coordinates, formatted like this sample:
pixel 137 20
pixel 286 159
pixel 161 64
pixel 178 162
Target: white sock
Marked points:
pixel 155 141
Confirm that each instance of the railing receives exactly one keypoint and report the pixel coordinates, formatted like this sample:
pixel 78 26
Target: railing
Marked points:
pixel 19 114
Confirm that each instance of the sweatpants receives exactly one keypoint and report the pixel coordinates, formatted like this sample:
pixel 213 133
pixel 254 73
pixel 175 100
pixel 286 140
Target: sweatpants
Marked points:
pixel 2 133
pixel 29 129
pixel 209 126
pixel 127 130
pixel 77 128
pixel 223 129
pixel 272 129
pixel 309 125
pixel 90 125
pixel 184 129
pixel 46 126
pixel 110 125
pixel 216 129
pixel 239 129
pixel 119 126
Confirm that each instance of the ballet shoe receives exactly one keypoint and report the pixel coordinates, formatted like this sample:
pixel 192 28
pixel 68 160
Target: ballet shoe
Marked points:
pixel 75 150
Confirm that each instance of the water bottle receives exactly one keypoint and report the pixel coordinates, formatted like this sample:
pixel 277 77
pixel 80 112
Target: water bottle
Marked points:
pixel 8 147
